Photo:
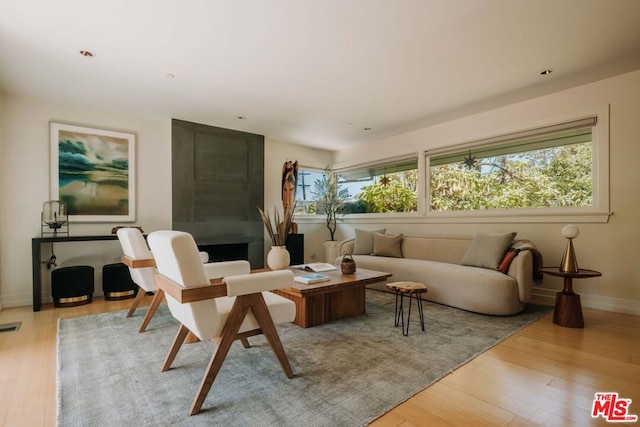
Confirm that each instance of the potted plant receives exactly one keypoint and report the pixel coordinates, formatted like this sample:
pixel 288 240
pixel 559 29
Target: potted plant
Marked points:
pixel 278 257
pixel 330 197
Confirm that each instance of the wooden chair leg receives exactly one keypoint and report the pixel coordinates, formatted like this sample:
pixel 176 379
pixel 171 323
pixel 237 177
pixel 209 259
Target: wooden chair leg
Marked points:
pixel 157 299
pixel 136 302
pixel 229 331
pixel 175 347
pixel 245 342
pixel 262 315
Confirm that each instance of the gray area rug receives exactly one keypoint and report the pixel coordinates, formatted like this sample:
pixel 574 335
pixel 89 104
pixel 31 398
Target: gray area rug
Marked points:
pixel 348 372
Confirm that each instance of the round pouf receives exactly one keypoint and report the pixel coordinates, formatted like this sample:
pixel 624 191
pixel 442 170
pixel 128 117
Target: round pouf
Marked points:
pixel 117 283
pixel 71 286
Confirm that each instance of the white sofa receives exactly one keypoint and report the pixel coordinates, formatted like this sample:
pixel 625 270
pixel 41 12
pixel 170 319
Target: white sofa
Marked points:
pixel 436 262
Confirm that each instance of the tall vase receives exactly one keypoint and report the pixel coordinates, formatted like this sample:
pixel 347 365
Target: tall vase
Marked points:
pixel 331 249
pixel 278 258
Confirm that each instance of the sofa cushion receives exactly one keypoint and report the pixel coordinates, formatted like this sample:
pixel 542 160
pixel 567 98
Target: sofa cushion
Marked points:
pixel 475 289
pixel 364 241
pixel 435 248
pixel 387 245
pixel 488 250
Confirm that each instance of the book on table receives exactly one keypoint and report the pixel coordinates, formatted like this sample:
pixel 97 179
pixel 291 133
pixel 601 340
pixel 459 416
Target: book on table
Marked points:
pixel 311 278
pixel 316 267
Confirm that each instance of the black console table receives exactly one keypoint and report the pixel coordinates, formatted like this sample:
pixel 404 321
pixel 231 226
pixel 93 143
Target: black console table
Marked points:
pixel 36 262
pixel 220 248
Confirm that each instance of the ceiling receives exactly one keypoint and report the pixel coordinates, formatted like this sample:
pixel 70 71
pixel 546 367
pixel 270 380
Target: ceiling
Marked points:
pixel 310 72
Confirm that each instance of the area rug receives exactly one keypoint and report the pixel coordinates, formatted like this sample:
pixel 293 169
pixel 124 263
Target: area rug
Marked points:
pixel 347 372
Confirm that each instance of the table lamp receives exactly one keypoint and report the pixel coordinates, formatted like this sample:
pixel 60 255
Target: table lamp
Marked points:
pixel 569 263
pixel 54 216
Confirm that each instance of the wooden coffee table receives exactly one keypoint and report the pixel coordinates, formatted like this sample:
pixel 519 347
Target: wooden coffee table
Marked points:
pixel 342 296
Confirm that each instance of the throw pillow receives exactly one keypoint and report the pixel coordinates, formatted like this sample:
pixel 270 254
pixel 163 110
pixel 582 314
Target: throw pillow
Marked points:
pixel 488 250
pixel 386 245
pixel 364 241
pixel 506 261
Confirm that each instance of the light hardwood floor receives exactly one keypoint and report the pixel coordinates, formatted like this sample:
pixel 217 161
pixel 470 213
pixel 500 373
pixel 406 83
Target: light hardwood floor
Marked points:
pixel 543 375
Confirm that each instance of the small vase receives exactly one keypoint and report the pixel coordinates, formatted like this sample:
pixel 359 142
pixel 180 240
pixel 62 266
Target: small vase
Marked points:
pixel 278 258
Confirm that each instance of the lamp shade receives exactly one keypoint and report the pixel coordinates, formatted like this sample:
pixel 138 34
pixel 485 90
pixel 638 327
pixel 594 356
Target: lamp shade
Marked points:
pixel 570 231
pixel 569 263
pixel 54 214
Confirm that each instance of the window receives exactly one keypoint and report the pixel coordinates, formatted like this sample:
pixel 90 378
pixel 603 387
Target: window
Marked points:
pixel 379 188
pixel 382 188
pixel 305 189
pixel 310 190
pixel 551 167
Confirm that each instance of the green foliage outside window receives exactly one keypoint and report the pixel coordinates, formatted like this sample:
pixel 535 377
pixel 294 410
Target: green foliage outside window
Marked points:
pixel 505 177
pixel 395 192
pixel 552 177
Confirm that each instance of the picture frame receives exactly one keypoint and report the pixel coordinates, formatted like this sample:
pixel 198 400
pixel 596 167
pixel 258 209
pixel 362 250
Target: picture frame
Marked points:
pixel 93 171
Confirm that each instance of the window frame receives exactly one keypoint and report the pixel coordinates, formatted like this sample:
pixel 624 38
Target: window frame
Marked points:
pixel 597 212
pixel 391 162
pixel 301 169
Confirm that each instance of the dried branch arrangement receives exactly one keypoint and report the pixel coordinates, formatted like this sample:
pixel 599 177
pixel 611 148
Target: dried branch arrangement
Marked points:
pixel 279 229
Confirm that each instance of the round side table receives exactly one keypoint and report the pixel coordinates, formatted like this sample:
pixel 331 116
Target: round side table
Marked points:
pixel 568 309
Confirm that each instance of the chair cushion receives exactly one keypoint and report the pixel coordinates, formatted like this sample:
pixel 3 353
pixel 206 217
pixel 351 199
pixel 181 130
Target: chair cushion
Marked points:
pixel 281 309
pixel 134 246
pixel 258 282
pixel 177 257
pixel 227 268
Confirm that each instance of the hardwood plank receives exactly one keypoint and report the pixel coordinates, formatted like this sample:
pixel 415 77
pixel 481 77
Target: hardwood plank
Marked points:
pixel 461 408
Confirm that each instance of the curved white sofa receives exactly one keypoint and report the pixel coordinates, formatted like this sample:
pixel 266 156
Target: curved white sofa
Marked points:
pixel 435 261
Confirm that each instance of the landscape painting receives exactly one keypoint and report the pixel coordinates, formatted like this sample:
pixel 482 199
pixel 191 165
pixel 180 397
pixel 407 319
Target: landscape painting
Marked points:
pixel 93 173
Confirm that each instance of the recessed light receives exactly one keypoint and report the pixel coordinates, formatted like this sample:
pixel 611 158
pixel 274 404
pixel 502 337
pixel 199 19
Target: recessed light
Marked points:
pixel 240 117
pixel 171 75
pixel 547 71
pixel 87 53
pixel 367 129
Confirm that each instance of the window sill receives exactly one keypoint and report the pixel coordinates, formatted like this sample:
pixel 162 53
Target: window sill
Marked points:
pixel 475 217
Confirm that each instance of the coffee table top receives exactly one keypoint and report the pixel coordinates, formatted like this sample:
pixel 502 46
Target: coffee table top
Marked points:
pixel 337 281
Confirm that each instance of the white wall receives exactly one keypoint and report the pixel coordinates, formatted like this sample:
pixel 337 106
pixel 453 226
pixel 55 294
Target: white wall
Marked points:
pixel 276 153
pixel 610 248
pixel 24 186
pixel 607 247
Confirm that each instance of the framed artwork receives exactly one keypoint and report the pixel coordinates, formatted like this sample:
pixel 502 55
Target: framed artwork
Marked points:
pixel 93 173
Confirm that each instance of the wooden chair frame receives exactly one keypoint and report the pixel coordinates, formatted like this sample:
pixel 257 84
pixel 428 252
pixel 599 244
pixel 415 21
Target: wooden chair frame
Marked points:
pixel 243 303
pixel 157 298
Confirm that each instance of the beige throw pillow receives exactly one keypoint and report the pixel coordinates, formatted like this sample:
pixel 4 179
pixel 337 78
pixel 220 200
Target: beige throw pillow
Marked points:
pixel 386 245
pixel 487 250
pixel 364 241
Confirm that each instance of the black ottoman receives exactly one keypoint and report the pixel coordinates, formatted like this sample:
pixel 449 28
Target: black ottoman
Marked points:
pixel 71 286
pixel 117 283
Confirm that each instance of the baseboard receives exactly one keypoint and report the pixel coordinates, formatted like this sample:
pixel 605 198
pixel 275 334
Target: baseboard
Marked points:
pixel 17 300
pixel 618 305
pixel 23 299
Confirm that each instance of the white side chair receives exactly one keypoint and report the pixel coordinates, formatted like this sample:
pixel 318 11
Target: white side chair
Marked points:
pixel 223 310
pixel 139 259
